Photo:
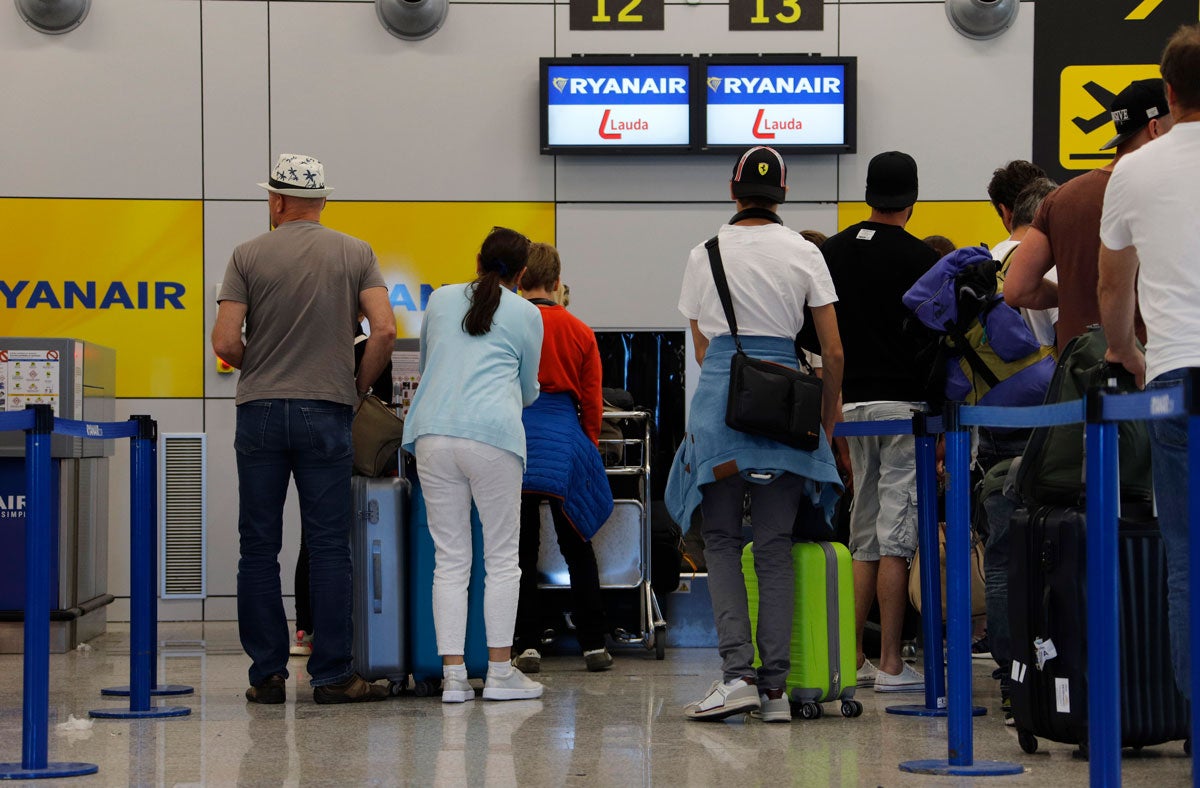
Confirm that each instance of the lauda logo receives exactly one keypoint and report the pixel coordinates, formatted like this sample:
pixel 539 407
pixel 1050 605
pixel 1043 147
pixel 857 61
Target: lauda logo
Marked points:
pixel 12 506
pixel 765 128
pixel 610 128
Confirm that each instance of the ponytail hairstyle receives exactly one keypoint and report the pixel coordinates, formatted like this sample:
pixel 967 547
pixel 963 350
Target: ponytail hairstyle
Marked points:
pixel 501 260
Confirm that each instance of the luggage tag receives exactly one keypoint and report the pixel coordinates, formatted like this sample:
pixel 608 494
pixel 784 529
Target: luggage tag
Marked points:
pixel 1044 651
pixel 1018 671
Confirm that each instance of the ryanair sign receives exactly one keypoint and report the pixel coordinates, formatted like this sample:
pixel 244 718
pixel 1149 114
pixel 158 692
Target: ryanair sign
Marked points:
pixel 618 105
pixel 783 105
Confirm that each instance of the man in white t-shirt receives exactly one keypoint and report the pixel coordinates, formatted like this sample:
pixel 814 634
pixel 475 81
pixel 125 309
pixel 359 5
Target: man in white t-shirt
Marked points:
pixel 772 273
pixel 1150 230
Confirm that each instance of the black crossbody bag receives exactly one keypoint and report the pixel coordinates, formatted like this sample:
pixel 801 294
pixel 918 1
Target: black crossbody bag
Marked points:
pixel 765 398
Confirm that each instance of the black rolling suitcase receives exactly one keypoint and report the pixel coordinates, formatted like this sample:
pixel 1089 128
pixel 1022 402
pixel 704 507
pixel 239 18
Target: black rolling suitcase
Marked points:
pixel 1047 603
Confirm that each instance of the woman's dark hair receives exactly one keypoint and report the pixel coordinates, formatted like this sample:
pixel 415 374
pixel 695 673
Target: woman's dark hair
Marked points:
pixel 501 258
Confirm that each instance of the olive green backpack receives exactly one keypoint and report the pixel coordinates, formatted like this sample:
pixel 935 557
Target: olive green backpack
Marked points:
pixel 1052 468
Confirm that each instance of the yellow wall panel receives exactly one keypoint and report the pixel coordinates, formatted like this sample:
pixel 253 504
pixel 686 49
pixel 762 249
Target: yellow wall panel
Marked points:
pixel 964 223
pixel 423 245
pixel 127 274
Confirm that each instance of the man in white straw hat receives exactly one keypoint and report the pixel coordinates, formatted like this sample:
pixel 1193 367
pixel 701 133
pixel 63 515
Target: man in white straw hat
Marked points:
pixel 299 291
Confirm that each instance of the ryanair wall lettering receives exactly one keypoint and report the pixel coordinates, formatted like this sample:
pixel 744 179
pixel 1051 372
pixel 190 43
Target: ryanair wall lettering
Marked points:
pixel 587 86
pixel 788 85
pixel 401 297
pixel 92 295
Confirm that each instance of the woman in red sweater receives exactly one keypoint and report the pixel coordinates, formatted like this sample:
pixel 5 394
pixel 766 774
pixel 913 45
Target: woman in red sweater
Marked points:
pixel 563 467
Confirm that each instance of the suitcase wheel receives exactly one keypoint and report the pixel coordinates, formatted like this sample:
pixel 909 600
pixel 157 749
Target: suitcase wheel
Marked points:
pixel 395 689
pixel 660 642
pixel 1187 746
pixel 851 708
pixel 1027 740
pixel 807 710
pixel 423 689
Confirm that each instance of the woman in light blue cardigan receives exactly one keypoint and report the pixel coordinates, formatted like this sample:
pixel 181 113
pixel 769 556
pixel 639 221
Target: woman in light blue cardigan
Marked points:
pixel 481 345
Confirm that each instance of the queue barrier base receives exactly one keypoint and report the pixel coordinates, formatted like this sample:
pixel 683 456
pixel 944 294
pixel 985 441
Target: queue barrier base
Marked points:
pixel 159 690
pixel 976 769
pixel 15 771
pixel 153 712
pixel 921 710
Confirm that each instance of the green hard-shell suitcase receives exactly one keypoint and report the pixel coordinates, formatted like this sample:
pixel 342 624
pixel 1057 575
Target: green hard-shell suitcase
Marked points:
pixel 823 651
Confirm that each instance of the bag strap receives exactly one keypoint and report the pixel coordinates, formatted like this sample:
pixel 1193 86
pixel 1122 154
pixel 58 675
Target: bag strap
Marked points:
pixel 718 271
pixel 977 364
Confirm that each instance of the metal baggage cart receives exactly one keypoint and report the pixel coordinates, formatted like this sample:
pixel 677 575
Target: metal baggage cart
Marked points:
pixel 622 545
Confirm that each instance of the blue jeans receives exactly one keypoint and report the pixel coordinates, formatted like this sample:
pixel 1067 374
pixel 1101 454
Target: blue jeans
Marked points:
pixel 275 440
pixel 1169 460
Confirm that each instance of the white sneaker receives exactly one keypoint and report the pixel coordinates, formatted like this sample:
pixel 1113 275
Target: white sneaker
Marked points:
pixel 908 680
pixel 513 686
pixel 456 688
pixel 866 674
pixel 724 700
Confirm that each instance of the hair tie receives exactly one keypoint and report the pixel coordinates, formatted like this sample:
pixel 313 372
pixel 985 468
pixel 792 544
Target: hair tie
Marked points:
pixel 499 267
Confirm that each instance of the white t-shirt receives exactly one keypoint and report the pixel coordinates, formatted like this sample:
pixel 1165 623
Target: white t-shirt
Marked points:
pixel 1153 204
pixel 772 272
pixel 1040 321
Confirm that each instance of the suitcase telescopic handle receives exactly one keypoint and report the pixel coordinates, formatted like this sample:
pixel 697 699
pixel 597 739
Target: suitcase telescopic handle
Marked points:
pixel 377 576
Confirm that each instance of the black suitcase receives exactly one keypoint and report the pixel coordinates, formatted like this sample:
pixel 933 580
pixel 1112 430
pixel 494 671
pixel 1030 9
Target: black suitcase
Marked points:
pixel 1047 600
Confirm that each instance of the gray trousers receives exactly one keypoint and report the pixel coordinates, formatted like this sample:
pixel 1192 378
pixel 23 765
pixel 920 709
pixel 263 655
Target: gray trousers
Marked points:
pixel 773 509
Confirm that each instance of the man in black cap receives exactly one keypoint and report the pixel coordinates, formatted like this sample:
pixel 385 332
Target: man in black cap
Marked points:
pixel 873 263
pixel 1066 231
pixel 772 274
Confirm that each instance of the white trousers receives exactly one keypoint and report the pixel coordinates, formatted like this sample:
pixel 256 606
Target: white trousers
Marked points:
pixel 454 471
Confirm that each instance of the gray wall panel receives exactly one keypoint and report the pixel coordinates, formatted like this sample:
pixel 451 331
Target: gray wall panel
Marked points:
pixel 625 263
pixel 960 107
pixel 111 109
pixel 236 103
pixel 449 118
pixel 172 415
pixel 226 224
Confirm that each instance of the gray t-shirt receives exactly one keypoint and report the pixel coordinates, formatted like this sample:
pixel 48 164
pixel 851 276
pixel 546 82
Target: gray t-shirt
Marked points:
pixel 301 286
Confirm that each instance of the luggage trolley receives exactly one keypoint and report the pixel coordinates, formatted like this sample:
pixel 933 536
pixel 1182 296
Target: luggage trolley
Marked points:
pixel 622 545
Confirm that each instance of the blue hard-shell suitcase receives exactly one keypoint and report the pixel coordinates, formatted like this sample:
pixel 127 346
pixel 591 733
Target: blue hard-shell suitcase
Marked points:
pixel 424 660
pixel 378 543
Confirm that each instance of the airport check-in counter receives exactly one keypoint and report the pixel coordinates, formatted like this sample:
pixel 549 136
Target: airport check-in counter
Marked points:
pixel 78 380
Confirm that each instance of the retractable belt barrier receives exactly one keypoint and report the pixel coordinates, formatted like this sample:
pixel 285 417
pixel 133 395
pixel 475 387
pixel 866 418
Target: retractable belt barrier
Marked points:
pixel 38 422
pixel 1106 409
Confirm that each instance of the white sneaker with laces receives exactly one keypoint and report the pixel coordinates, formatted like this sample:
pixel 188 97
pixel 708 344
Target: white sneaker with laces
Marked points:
pixel 908 680
pixel 514 685
pixel 724 700
pixel 866 674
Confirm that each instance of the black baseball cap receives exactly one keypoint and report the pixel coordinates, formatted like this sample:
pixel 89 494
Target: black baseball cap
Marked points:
pixel 760 172
pixel 1134 107
pixel 891 181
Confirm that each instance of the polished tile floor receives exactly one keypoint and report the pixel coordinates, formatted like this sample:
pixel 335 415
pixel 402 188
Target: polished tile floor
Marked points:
pixel 621 728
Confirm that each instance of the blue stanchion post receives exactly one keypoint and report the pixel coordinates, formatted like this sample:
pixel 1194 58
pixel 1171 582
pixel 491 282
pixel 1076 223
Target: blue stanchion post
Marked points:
pixel 1103 597
pixel 960 746
pixel 143 591
pixel 931 577
pixel 35 724
pixel 152 547
pixel 1192 393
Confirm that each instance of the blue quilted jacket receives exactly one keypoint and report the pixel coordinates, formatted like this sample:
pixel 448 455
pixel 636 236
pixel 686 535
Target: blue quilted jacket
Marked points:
pixel 561 461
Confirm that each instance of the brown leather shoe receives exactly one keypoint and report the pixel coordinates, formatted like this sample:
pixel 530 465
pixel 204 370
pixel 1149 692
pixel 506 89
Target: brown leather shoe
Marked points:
pixel 270 690
pixel 355 689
